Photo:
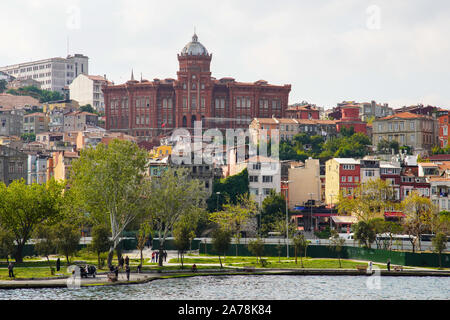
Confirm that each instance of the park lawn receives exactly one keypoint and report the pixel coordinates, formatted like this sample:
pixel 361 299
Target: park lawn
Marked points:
pixel 275 262
pixel 31 272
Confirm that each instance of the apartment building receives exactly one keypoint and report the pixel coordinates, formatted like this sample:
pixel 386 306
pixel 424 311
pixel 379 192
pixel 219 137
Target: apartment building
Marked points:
pixel 341 175
pixel 13 165
pixel 79 121
pixel 305 183
pixel 264 174
pixel 35 123
pixel 53 74
pixel 11 122
pixel 417 131
pixel 87 89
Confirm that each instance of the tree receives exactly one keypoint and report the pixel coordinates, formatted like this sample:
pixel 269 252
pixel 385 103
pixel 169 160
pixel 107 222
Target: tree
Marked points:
pixel 392 228
pixel 23 207
pixel 273 208
pixel 369 200
pixel 45 244
pixel 365 233
pixel 87 108
pixel 439 244
pixel 3 84
pixel 184 233
pixel 257 248
pixel 300 245
pixel 172 196
pixel 230 189
pixel 221 240
pixel 235 216
pixel 7 245
pixel 100 241
pixel 419 212
pixel 108 183
pixel 336 244
pixel 67 239
pixel 142 237
pixel 387 146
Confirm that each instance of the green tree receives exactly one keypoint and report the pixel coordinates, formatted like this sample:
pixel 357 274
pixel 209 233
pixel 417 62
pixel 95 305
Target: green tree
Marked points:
pixel 230 189
pixel 108 183
pixel 45 242
pixel 143 235
pixel 419 214
pixel 67 239
pixel 370 199
pixel 23 207
pixel 184 233
pixel 7 245
pixel 300 246
pixel 386 146
pixel 87 108
pixel 257 248
pixel 364 232
pixel 100 241
pixel 3 84
pixel 221 240
pixel 439 245
pixel 234 217
pixel 336 244
pixel 273 208
pixel 171 197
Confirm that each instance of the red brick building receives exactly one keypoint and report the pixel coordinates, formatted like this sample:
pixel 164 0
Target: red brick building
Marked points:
pixel 146 109
pixel 306 112
pixel 350 118
pixel 443 130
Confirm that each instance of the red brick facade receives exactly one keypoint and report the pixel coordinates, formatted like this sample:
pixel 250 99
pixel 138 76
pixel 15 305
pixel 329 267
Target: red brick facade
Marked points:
pixel 147 109
pixel 350 118
pixel 443 130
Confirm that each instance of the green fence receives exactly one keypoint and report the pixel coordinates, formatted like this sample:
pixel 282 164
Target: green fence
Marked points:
pixel 355 253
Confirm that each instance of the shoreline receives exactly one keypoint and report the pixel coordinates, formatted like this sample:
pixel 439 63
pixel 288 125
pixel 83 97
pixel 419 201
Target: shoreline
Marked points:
pixel 141 278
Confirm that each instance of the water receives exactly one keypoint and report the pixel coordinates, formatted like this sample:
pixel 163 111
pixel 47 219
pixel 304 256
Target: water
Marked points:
pixel 268 287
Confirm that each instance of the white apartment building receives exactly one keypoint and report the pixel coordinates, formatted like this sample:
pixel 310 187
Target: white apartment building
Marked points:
pixel 53 73
pixel 86 89
pixel 264 174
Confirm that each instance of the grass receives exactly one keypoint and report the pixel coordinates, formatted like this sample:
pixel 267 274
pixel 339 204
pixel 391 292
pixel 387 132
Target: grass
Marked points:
pixel 30 272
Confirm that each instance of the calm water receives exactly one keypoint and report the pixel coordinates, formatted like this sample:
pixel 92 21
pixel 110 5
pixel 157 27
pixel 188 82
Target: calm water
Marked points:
pixel 254 288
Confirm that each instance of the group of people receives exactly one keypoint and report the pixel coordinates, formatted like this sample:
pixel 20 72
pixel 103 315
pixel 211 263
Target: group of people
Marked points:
pixel 155 256
pixel 122 262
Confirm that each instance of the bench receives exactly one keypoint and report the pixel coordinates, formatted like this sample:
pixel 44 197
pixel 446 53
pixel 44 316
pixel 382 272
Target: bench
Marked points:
pixel 362 268
pixel 398 268
pixel 112 277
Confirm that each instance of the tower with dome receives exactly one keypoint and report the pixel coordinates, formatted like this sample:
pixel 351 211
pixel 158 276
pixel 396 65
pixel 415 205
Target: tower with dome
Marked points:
pixel 147 109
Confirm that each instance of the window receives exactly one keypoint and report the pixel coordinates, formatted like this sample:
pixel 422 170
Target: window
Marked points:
pixel 411 125
pixel 356 179
pixel 257 166
pixel 369 173
pixel 267 179
pixel 253 178
pixel 343 179
pixel 267 191
pixel 350 179
pixel 348 167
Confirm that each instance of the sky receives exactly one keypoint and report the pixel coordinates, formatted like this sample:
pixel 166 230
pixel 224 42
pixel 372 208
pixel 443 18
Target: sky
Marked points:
pixel 395 52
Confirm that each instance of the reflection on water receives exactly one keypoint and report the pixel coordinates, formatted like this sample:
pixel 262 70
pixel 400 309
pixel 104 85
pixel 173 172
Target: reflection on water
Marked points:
pixel 252 288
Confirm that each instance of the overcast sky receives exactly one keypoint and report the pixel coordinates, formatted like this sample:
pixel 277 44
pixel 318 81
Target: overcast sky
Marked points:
pixel 396 52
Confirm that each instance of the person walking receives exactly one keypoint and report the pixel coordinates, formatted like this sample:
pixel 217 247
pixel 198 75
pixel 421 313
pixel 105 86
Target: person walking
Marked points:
pixel 127 260
pixel 127 271
pixel 153 256
pixel 121 261
pixel 370 266
pixel 11 269
pixel 165 255
pixel 58 264
pixel 156 256
pixel 389 265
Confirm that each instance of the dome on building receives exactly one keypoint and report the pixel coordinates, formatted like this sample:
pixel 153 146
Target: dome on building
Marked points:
pixel 194 48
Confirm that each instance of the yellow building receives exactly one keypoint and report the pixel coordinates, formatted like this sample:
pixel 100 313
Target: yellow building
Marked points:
pixel 61 105
pixel 161 151
pixel 341 174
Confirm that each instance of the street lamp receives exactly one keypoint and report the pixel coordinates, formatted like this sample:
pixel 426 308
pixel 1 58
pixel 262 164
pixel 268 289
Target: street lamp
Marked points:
pixel 287 220
pixel 218 194
pixel 310 204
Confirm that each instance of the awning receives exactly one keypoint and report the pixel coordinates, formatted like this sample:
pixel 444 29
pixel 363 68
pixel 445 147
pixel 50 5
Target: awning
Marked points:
pixel 298 208
pixel 344 219
pixel 394 214
pixel 323 214
pixel 297 216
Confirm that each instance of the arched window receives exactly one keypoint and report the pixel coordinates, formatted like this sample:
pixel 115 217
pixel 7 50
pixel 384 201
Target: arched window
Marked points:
pixel 184 121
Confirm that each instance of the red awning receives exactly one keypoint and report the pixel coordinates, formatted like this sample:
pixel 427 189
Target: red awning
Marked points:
pixel 297 216
pixel 323 214
pixel 394 214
